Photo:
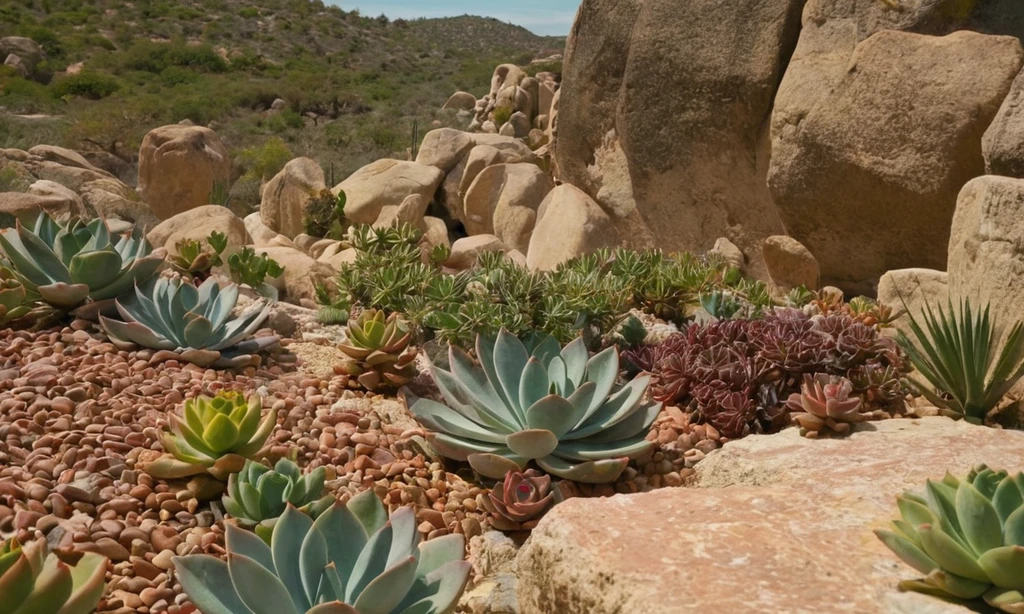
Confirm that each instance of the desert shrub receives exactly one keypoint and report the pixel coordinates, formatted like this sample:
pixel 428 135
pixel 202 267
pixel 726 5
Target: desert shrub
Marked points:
pixel 502 115
pixel 285 120
pixel 155 57
pixel 249 12
pixel 265 161
pixel 86 84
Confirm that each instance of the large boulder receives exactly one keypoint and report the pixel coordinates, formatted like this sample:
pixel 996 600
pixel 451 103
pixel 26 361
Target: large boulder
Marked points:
pixel 467 250
pixel 71 177
pixel 569 224
pixel 662 116
pixel 197 224
pixel 285 197
pixel 505 75
pixel 986 246
pixel 301 273
pixel 503 201
pixel 444 148
pixel 179 167
pixel 790 264
pixel 1003 143
pixel 768 511
pixel 461 101
pixel 386 182
pixel 110 198
pixel 28 52
pixel 56 200
pixel 63 156
pixel 261 235
pixel 909 291
pixel 875 154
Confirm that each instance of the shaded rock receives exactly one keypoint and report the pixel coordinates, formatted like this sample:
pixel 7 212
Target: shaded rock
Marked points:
pixel 986 246
pixel 65 157
pixel 106 161
pixel 258 231
pixel 729 252
pixel 520 123
pixel 435 231
pixel 110 198
pixel 28 52
pixel 301 273
pixel 769 508
pixel 71 177
pixel 912 289
pixel 504 76
pixel 26 207
pixel 466 250
pixel 179 167
pixel 285 197
pixel 569 224
pixel 320 247
pixel 790 264
pixel 503 201
pixel 850 146
pixel 1003 143
pixel 461 101
pixel 197 224
pixel 386 182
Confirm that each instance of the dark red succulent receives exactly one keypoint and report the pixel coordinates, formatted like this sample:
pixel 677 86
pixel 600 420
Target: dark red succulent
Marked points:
pixel 517 502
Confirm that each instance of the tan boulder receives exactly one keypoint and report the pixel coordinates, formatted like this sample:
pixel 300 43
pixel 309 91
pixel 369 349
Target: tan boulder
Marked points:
pixel 65 157
pixel 728 251
pixel 569 224
pixel 322 246
pixel 303 241
pixel 261 235
pixel 386 182
pixel 520 123
pixel 766 510
pixel 790 264
pixel 197 224
pixel 443 148
pixel 503 201
pixel 285 197
pixel 1003 143
pixel 71 177
pixel 986 246
pixel 28 52
pixel 301 273
pixel 411 211
pixel 908 291
pixel 466 250
pixel 461 101
pixel 335 261
pixel 504 76
pixel 179 167
pixel 545 98
pixel 56 200
pixel 435 231
pixel 110 198
pixel 851 146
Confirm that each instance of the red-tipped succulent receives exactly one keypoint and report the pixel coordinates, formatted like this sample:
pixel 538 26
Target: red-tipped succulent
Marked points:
pixel 517 502
pixel 825 404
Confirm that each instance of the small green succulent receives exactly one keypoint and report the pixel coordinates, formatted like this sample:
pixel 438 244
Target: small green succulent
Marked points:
pixel 216 436
pixel 557 407
pixel 252 269
pixel 195 259
pixel 378 351
pixel 351 560
pixel 33 581
pixel 68 265
pixel 966 536
pixel 14 300
pixel 172 314
pixel 258 495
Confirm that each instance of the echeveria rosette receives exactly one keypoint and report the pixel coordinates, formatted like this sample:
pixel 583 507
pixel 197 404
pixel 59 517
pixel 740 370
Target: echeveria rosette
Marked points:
pixel 69 265
pixel 826 403
pixel 518 501
pixel 556 407
pixel 14 300
pixel 172 314
pixel 216 436
pixel 378 350
pixel 966 536
pixel 351 560
pixel 257 495
pixel 33 581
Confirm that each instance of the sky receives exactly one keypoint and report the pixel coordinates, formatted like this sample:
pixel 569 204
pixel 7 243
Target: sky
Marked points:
pixel 551 17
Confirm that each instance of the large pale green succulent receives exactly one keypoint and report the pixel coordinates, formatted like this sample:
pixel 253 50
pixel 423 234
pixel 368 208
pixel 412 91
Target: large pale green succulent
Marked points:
pixel 350 560
pixel 966 536
pixel 258 495
pixel 557 407
pixel 68 265
pixel 33 581
pixel 216 436
pixel 172 314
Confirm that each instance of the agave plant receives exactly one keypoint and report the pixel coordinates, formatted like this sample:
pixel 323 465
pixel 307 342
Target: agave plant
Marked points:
pixel 557 407
pixel 350 560
pixel 258 495
pixel 172 314
pixel 378 351
pixel 215 435
pixel 519 500
pixel 966 536
pixel 960 356
pixel 33 581
pixel 825 404
pixel 68 265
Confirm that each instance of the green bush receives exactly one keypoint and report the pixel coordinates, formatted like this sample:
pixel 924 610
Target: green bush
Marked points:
pixel 502 115
pixel 155 57
pixel 86 84
pixel 265 161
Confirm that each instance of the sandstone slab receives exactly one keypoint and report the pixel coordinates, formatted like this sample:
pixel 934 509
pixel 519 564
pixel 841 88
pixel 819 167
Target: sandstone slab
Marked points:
pixel 908 291
pixel 386 182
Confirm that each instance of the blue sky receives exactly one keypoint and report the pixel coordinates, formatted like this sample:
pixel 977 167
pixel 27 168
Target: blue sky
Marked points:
pixel 552 17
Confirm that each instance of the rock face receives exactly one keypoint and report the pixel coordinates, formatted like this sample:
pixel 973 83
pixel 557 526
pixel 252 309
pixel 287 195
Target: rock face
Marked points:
pixel 1003 143
pixel 110 198
pixel 503 201
pixel 197 224
pixel 676 170
pixel 912 289
pixel 386 182
pixel 301 273
pixel 466 250
pixel 790 264
pixel 850 145
pixel 285 197
pixel 179 166
pixel 769 509
pixel 986 246
pixel 569 224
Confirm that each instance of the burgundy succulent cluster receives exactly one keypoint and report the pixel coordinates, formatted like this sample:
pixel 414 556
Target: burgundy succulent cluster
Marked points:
pixel 737 374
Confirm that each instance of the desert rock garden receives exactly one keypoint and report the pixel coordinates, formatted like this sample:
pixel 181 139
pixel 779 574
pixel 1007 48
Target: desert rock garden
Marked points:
pixel 625 337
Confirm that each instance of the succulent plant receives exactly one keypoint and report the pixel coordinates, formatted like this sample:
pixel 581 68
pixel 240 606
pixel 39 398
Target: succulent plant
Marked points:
pixel 961 358
pixel 252 269
pixel 257 495
pixel 519 500
pixel 351 560
pixel 966 536
pixel 825 404
pixel 34 581
pixel 378 351
pixel 195 259
pixel 14 300
pixel 172 314
pixel 557 407
pixel 215 435
pixel 68 265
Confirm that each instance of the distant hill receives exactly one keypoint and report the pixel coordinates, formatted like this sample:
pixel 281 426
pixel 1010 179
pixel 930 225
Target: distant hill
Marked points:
pixel 353 86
